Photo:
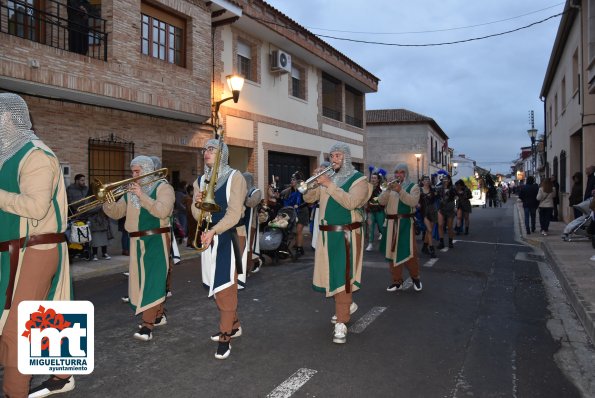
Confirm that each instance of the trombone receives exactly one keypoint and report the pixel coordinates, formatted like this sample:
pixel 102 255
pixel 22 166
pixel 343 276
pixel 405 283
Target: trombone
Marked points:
pixel 109 193
pixel 310 183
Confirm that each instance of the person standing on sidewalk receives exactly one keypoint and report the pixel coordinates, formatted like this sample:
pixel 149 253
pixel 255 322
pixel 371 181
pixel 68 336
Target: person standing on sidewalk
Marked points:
pixel 590 174
pixel 340 245
pixel 545 196
pixel 148 207
pixel 400 199
pixel 374 210
pixel 33 252
pixel 556 187
pixel 224 242
pixel 528 196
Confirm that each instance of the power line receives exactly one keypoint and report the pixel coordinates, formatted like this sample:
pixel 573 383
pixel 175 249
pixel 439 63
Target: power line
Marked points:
pixel 442 43
pixel 436 30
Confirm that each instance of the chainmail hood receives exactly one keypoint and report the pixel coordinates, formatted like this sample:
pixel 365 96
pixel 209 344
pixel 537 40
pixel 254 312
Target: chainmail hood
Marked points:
pixel 403 166
pixel 224 169
pixel 249 180
pixel 15 126
pixel 347 170
pixel 146 165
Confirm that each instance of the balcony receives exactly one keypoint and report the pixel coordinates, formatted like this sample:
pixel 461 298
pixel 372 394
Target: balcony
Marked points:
pixel 56 25
pixel 354 121
pixel 331 113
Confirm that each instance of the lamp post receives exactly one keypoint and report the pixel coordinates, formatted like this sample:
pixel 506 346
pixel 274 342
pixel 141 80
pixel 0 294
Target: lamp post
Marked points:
pixel 235 83
pixel 418 157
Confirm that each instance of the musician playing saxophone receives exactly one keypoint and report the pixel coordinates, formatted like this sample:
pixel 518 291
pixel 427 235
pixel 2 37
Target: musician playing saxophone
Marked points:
pixel 147 209
pixel 340 245
pixel 222 260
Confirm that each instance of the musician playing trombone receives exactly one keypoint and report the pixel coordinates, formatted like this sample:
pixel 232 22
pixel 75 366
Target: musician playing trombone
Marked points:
pixel 340 245
pixel 148 208
pixel 225 241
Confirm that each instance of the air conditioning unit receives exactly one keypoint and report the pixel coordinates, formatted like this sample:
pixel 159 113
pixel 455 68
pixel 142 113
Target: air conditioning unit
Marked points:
pixel 280 61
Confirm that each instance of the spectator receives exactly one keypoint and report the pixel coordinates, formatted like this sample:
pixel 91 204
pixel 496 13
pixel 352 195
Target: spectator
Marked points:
pixel 576 193
pixel 77 190
pixel 180 207
pixel 528 195
pixel 292 197
pixel 545 196
pixel 100 232
pixel 556 187
pixel 590 172
pixel 192 224
pixel 78 26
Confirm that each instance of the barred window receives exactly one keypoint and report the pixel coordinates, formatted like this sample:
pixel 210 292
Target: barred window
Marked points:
pixel 245 60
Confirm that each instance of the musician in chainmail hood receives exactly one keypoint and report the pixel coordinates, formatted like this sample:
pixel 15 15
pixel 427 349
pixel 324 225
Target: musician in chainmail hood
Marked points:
pixel 148 207
pixel 398 240
pixel 33 209
pixel 224 242
pixel 340 243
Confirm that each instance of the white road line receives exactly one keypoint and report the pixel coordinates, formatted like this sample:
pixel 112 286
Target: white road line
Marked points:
pixel 292 384
pixel 444 250
pixel 489 243
pixel 430 263
pixel 367 319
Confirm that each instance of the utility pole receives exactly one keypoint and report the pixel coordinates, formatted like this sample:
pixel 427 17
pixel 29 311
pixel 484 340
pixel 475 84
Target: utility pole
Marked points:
pixel 532 134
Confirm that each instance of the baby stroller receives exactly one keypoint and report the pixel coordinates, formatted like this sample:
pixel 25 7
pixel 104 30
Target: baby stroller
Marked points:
pixel 278 235
pixel 580 228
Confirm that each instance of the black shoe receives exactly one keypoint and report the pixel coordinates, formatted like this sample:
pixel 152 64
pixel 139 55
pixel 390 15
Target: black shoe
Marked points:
pixel 450 244
pixel 432 252
pixel 466 231
pixel 416 284
pixel 299 251
pixel 223 350
pixel 144 334
pixel 394 287
pixel 441 244
pixel 424 249
pixel 234 333
pixel 53 385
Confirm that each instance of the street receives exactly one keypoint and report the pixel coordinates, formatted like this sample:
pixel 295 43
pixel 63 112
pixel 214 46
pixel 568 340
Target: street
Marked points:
pixel 478 328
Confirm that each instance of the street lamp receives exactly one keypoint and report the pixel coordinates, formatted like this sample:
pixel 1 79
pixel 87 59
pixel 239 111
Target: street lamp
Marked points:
pixel 532 134
pixel 235 83
pixel 418 157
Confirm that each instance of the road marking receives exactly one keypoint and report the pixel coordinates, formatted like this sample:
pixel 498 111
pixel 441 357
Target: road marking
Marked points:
pixel 367 319
pixel 430 263
pixel 292 384
pixel 488 243
pixel 444 250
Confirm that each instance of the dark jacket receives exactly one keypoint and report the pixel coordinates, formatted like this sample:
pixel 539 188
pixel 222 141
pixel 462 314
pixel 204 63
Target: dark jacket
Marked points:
pixel 590 186
pixel 528 195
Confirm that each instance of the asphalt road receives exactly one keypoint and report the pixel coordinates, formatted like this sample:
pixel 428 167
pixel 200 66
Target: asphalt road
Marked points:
pixel 477 329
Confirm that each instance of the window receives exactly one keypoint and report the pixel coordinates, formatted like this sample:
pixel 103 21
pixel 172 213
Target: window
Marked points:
pixel 24 19
pixel 245 60
pixel 331 97
pixel 162 35
pixel 576 77
pixel 556 108
pixel 562 179
pixel 354 107
pixel 298 82
pixel 431 149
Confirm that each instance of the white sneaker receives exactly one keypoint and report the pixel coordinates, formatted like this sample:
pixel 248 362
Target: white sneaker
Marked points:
pixel 95 258
pixel 52 386
pixel 352 309
pixel 340 333
pixel 370 247
pixel 106 257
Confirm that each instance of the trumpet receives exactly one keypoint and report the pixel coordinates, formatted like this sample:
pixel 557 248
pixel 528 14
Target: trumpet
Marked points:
pixel 386 185
pixel 310 183
pixel 109 193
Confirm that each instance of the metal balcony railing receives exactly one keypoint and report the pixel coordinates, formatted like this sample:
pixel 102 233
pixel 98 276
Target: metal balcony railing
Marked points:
pixel 57 25
pixel 354 121
pixel 331 113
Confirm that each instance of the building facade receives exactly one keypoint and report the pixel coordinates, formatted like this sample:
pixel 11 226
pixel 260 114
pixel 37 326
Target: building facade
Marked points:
pixel 398 135
pixel 567 91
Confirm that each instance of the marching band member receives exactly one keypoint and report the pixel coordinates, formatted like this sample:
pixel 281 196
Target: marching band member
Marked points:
pixel 316 212
pixel 340 245
pixel 222 266
pixel 253 198
pixel 33 252
pixel 375 210
pixel 147 208
pixel 400 199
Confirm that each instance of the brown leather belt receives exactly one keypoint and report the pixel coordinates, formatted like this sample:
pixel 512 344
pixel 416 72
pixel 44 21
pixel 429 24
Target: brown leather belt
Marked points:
pixel 13 246
pixel 148 232
pixel 393 243
pixel 345 229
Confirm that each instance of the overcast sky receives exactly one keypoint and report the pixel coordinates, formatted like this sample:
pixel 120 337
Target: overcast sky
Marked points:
pixel 480 92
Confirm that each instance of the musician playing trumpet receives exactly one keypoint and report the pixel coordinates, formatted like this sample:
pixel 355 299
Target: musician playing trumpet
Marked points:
pixel 340 244
pixel 400 199
pixel 147 208
pixel 225 241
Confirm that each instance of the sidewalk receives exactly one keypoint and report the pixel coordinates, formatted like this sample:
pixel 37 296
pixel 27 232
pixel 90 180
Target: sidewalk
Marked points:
pixel 83 269
pixel 571 263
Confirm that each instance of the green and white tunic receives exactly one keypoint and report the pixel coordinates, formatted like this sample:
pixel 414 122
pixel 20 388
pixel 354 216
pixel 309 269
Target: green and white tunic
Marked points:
pixel 339 206
pixel 33 202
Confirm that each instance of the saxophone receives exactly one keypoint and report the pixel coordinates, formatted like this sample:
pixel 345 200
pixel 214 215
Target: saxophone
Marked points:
pixel 208 204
